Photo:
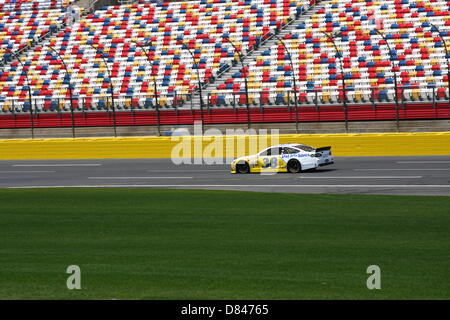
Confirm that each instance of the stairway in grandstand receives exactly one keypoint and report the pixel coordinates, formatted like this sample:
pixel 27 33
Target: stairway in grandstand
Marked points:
pixel 237 67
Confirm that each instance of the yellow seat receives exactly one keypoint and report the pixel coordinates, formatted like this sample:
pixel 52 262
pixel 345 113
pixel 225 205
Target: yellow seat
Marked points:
pixel 7 106
pixel 162 101
pixel 326 97
pixel 415 94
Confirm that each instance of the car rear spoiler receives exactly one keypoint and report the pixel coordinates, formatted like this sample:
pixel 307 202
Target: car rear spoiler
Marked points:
pixel 323 149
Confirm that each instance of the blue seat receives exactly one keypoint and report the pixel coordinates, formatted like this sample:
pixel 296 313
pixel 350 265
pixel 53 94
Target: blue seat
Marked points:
pixel 279 98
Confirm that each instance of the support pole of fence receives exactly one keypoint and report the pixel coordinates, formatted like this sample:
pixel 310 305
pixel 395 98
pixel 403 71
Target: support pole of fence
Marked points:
pixel 30 94
pixel 186 47
pixel 447 56
pixel 394 71
pixel 293 79
pixel 339 54
pixel 111 86
pixel 434 98
pixel 70 87
pixel 155 86
pixel 245 70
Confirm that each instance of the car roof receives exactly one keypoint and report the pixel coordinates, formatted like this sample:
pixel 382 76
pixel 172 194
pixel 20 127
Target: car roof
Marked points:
pixel 287 145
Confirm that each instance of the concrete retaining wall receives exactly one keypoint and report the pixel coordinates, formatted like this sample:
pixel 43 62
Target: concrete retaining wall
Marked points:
pixel 377 144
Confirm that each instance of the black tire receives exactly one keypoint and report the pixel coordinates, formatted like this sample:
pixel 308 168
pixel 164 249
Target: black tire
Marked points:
pixel 243 168
pixel 294 166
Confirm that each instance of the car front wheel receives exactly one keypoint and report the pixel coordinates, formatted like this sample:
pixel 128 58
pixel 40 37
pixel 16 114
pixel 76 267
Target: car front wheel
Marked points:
pixel 243 168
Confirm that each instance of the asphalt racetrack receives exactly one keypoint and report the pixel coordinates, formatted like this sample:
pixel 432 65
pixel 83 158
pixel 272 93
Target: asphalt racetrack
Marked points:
pixel 418 175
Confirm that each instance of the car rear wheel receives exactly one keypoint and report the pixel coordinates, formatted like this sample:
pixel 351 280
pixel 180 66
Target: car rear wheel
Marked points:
pixel 294 166
pixel 243 168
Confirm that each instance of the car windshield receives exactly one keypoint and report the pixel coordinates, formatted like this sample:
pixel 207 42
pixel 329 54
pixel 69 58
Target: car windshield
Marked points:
pixel 304 147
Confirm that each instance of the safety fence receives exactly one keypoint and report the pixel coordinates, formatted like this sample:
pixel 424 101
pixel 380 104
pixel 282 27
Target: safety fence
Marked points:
pixel 141 117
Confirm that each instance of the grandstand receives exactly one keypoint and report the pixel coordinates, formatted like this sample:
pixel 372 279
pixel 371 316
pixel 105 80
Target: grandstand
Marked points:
pixel 418 55
pixel 198 54
pixel 26 5
pixel 23 28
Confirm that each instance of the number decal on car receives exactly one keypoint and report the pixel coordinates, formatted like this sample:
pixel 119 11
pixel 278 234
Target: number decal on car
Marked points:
pixel 270 162
pixel 273 162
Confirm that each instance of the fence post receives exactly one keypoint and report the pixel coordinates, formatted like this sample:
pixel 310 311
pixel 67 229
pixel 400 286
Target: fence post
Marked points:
pixel 83 107
pixel 434 98
pixel 178 103
pixel 13 111
pixel 372 98
pixel 261 102
pixel 403 97
pixel 397 115
pixel 289 101
pixel 316 100
pixel 32 119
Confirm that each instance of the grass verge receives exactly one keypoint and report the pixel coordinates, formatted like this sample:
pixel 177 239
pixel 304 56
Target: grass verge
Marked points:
pixel 179 244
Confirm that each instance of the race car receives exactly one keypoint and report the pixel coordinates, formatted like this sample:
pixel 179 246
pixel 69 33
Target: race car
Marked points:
pixel 291 158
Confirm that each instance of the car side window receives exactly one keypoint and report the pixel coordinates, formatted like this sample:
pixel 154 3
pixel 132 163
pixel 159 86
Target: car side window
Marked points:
pixel 271 152
pixel 265 152
pixel 288 150
pixel 275 151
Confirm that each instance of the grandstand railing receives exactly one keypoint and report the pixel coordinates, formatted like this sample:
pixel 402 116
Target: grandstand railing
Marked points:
pixel 179 110
pixel 226 99
pixel 319 97
pixel 313 97
pixel 136 116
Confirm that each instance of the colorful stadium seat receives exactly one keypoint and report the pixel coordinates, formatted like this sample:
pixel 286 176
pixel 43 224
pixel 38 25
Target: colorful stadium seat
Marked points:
pixel 100 50
pixel 200 25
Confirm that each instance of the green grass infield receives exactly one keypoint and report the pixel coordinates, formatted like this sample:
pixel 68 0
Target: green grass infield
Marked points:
pixel 180 244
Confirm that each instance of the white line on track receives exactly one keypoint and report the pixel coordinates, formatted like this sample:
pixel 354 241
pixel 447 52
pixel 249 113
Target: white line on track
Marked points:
pixel 59 165
pixel 366 177
pixel 431 161
pixel 17 171
pixel 132 178
pixel 245 186
pixel 405 169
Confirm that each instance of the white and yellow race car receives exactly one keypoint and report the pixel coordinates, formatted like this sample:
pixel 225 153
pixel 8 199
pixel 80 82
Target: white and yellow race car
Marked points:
pixel 291 158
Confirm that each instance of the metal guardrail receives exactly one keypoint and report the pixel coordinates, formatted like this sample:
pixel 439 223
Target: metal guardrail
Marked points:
pixel 316 98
